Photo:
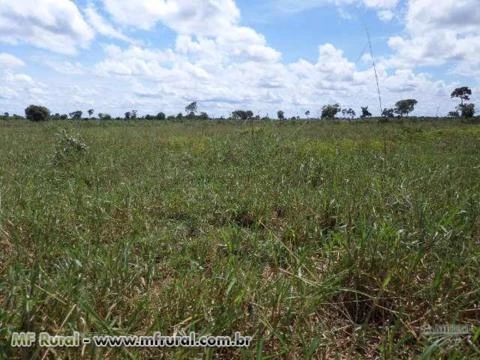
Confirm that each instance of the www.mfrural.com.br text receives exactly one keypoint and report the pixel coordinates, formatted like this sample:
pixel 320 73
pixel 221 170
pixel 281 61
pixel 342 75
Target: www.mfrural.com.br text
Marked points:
pixel 43 339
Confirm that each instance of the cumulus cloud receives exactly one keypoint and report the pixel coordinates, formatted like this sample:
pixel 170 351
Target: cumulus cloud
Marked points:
pixel 102 26
pixel 225 65
pixel 220 79
pixel 200 17
pixel 439 32
pixel 56 25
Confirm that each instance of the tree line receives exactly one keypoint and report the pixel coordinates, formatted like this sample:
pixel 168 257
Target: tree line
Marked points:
pixel 402 108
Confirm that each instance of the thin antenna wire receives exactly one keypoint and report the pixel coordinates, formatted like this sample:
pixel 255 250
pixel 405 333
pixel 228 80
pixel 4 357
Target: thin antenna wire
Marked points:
pixel 361 54
pixel 374 67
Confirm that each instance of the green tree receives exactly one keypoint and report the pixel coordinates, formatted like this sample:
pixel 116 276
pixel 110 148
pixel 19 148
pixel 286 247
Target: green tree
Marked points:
pixel 203 116
pixel 242 115
pixel 330 111
pixel 191 107
pixel 76 115
pixel 467 110
pixel 349 113
pixel 281 115
pixel 365 113
pixel 405 107
pixel 37 113
pixel 463 93
pixel 388 113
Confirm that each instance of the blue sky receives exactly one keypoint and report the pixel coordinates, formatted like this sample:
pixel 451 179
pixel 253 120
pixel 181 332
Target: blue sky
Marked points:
pixel 294 55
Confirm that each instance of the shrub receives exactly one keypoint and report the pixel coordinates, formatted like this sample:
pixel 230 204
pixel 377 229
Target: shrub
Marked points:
pixel 37 113
pixel 467 110
pixel 68 148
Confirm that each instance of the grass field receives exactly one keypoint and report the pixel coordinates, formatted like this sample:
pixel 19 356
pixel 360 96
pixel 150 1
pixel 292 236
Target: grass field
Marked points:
pixel 319 239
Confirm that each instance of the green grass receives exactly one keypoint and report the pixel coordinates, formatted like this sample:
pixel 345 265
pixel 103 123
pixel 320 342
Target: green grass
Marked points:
pixel 321 240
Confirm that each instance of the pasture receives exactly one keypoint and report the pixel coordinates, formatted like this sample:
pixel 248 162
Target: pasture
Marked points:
pixel 320 239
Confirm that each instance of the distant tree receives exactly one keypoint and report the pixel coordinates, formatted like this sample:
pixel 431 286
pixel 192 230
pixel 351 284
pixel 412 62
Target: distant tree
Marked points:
pixel 463 93
pixel 63 117
pixel 76 115
pixel 90 112
pixel 405 107
pixel 467 110
pixel 6 114
pixel 191 107
pixel 179 116
pixel 454 114
pixel 307 113
pixel 281 115
pixel 191 115
pixel 37 113
pixel 203 116
pixel 330 111
pixel 388 113
pixel 128 115
pixel 160 116
pixel 365 113
pixel 242 115
pixel 348 113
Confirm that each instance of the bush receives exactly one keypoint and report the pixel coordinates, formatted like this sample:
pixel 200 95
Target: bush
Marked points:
pixel 69 148
pixel 37 113
pixel 467 110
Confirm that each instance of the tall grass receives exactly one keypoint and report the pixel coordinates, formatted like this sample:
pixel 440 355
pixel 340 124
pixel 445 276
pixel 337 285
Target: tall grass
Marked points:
pixel 321 240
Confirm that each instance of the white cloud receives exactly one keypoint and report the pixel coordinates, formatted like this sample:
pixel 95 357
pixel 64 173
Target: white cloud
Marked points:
pixel 102 26
pixel 200 17
pixel 221 80
pixel 439 32
pixel 10 61
pixel 225 65
pixel 65 67
pixel 381 4
pixel 56 25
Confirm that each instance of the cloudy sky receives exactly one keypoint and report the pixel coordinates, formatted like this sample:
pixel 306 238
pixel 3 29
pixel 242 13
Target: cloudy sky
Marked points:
pixel 262 55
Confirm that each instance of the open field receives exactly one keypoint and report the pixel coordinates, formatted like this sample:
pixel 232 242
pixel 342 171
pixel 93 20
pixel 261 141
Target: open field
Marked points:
pixel 321 239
